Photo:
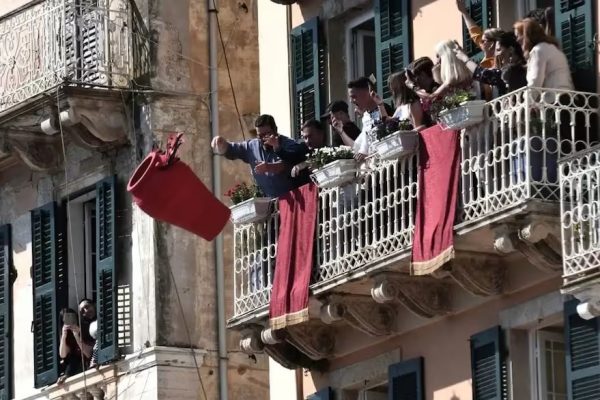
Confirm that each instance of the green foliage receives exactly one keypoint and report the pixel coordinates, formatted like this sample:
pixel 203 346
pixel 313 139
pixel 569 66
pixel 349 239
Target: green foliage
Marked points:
pixel 243 191
pixel 326 155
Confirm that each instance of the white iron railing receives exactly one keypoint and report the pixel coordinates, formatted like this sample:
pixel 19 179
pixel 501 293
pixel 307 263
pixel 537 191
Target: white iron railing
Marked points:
pixel 82 42
pixel 358 224
pixel 507 161
pixel 513 159
pixel 580 214
pixel 255 248
pixel 366 221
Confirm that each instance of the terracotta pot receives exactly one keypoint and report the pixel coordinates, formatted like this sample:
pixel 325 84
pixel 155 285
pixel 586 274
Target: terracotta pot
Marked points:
pixel 174 194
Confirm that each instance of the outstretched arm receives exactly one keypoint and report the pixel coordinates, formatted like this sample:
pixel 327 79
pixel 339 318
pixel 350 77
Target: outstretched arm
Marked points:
pixel 231 150
pixel 474 30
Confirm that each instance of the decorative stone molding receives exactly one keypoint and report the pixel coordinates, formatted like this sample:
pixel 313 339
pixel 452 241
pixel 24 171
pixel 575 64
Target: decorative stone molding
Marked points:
pixel 250 341
pixel 537 241
pixel 479 277
pixel 312 338
pixel 589 297
pixel 104 119
pixel 424 296
pixel 269 336
pixel 360 312
pixel 39 152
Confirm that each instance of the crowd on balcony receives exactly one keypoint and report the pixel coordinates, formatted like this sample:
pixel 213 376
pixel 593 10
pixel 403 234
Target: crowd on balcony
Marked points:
pixel 527 56
pixel 78 345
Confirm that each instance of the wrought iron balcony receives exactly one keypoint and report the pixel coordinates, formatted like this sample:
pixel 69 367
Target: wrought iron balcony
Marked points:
pixel 77 53
pixel 580 221
pixel 68 41
pixel 509 203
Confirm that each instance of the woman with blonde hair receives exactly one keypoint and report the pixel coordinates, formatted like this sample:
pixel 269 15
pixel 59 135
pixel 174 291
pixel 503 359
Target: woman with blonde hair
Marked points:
pixel 454 74
pixel 547 65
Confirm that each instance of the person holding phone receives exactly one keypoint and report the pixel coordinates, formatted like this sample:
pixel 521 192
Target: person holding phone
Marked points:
pixel 73 352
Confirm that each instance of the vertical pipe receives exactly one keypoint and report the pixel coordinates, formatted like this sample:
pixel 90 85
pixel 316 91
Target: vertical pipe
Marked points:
pixel 216 186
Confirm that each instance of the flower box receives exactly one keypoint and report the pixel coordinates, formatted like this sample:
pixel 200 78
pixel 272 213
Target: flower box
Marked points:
pixel 336 173
pixel 467 114
pixel 396 145
pixel 253 210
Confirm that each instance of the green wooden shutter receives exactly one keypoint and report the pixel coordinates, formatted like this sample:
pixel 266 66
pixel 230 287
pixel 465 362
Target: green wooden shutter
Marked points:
pixel 487 365
pixel 582 338
pixel 323 394
pixel 48 243
pixel 106 285
pixel 6 280
pixel 405 380
pixel 575 28
pixel 482 12
pixel 392 38
pixel 308 56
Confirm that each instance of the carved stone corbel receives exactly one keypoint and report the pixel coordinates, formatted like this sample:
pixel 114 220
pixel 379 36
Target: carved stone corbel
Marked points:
pixel 39 153
pixel 360 312
pixel 478 277
pixel 104 119
pixel 313 338
pixel 250 341
pixel 589 308
pixel 424 296
pixel 537 241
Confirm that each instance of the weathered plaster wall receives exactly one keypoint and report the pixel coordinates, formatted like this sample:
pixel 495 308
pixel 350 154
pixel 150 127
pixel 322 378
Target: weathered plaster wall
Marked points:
pixel 21 191
pixel 181 80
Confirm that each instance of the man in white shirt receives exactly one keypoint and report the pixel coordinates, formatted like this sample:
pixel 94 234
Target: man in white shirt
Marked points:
pixel 359 92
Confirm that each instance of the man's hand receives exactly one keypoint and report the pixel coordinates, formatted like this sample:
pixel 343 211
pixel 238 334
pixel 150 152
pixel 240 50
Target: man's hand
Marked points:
pixel 261 168
pixel 338 125
pixel 460 5
pixel 297 168
pixel 219 145
pixel 66 329
pixel 273 141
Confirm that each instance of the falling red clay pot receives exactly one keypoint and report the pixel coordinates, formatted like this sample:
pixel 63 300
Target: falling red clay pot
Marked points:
pixel 167 189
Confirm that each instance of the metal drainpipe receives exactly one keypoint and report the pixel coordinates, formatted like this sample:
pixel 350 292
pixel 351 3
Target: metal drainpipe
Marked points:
pixel 216 185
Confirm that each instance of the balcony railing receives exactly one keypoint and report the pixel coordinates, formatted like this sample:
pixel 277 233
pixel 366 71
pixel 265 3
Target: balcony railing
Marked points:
pixel 580 215
pixel 78 41
pixel 507 163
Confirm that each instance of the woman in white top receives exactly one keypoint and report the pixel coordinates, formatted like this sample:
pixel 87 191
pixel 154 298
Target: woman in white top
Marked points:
pixel 547 65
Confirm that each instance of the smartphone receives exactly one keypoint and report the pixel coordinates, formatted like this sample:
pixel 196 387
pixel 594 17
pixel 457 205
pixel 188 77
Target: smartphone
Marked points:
pixel 70 319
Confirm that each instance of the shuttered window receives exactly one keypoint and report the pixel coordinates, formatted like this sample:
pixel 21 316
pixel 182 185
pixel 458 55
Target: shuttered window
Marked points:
pixel 308 75
pixel 106 285
pixel 323 394
pixel 575 29
pixel 488 366
pixel 392 36
pixel 49 284
pixel 6 280
pixel 405 380
pixel 582 355
pixel 482 12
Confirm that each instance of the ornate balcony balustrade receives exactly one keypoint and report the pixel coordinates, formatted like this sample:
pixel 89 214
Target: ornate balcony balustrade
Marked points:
pixel 580 223
pixel 82 42
pixel 509 186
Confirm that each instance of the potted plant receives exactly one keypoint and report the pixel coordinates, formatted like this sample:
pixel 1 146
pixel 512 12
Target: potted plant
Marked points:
pixel 458 110
pixel 332 166
pixel 395 139
pixel 249 204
